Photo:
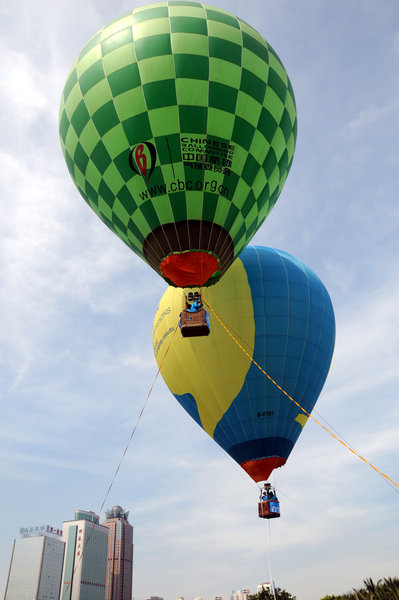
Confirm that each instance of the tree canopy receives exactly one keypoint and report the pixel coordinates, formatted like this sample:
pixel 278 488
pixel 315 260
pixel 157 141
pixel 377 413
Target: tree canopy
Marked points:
pixel 280 594
pixel 383 589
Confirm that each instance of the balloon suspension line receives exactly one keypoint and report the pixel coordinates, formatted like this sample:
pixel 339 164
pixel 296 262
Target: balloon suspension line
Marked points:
pixel 138 421
pixel 351 449
pixel 268 552
pixel 85 543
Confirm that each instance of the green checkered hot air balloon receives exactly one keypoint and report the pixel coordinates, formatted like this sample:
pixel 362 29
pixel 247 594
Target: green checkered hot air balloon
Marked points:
pixel 178 126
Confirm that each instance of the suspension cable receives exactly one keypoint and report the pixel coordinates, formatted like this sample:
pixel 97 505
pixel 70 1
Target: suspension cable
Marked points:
pixel 118 467
pixel 268 553
pixel 138 421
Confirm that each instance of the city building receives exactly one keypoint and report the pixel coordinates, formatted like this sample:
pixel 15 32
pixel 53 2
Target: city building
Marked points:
pixel 85 563
pixel 241 594
pixel 268 586
pixel 118 585
pixel 36 566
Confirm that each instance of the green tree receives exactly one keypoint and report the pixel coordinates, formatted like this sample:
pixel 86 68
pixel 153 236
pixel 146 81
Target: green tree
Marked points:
pixel 340 597
pixel 384 589
pixel 280 594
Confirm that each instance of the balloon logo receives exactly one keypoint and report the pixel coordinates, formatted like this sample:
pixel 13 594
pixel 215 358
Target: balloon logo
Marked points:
pixel 178 126
pixel 142 159
pixel 281 314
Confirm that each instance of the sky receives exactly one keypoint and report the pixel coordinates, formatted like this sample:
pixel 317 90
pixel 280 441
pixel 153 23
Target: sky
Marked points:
pixel 77 306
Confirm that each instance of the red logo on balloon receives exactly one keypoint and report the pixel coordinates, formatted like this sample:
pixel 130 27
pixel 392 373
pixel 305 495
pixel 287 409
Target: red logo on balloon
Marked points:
pixel 142 159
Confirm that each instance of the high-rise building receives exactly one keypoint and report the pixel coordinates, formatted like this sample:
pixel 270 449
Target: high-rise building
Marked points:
pixel 268 586
pixel 35 568
pixel 242 594
pixel 119 556
pixel 85 563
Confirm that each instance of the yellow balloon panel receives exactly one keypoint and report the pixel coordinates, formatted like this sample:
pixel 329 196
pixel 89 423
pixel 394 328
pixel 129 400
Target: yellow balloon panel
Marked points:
pixel 212 368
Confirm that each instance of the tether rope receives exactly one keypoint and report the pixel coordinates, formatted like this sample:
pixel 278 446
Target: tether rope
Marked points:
pixel 119 466
pixel 269 550
pixel 351 449
pixel 138 421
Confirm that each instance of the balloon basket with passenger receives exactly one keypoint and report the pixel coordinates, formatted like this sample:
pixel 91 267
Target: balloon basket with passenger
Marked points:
pixel 194 319
pixel 268 505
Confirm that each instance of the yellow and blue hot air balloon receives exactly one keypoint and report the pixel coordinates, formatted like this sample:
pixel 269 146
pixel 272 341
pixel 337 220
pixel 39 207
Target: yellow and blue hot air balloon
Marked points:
pixel 281 314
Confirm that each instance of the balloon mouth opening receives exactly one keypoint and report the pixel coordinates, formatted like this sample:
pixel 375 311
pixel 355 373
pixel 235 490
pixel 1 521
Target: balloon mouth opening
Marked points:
pixel 189 253
pixel 192 268
pixel 260 469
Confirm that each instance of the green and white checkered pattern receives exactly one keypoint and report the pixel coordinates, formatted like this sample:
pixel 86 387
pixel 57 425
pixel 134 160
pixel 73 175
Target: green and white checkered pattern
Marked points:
pixel 167 71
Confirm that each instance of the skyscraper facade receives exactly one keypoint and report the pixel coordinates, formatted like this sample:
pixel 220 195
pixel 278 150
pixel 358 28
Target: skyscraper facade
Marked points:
pixel 35 568
pixel 119 555
pixel 85 563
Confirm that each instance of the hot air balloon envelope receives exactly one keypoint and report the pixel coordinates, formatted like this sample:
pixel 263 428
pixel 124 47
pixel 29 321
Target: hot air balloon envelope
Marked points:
pixel 281 315
pixel 178 126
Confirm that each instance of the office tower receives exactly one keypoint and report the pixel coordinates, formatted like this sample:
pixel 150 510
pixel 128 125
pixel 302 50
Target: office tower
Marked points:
pixel 119 556
pixel 35 568
pixel 85 563
pixel 268 586
pixel 242 594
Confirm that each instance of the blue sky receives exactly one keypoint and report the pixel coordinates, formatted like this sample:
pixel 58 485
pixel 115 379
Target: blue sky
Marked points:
pixel 77 306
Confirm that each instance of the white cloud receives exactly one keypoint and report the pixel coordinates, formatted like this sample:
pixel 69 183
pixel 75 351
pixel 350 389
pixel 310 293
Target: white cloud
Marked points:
pixel 368 118
pixel 22 86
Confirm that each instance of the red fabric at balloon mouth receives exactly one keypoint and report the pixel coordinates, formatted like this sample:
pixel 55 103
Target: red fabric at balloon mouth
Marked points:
pixel 261 468
pixel 192 268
